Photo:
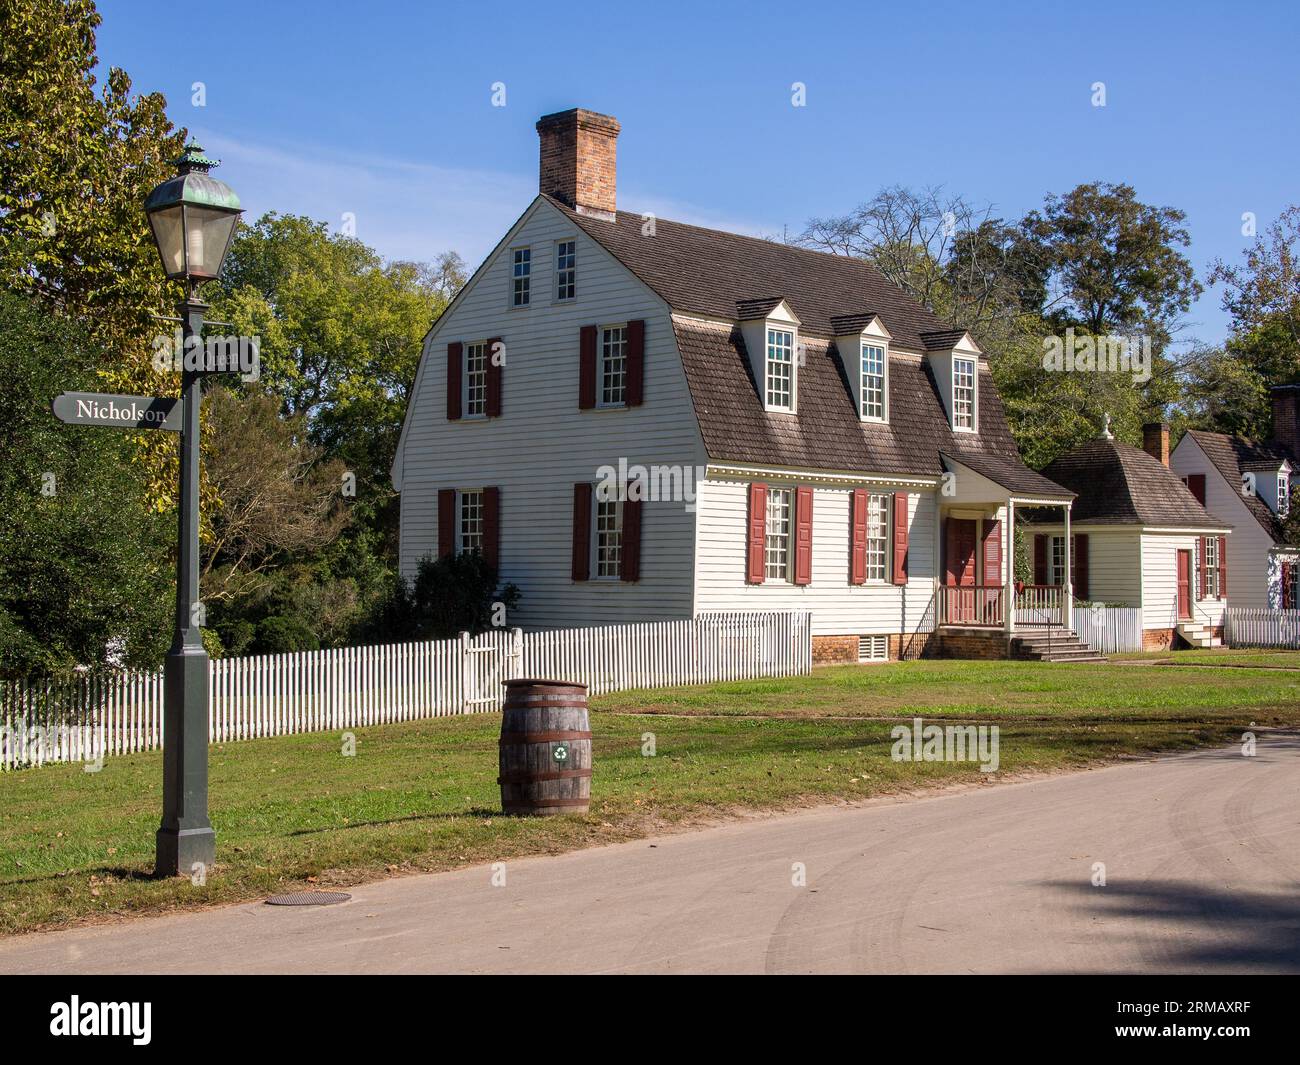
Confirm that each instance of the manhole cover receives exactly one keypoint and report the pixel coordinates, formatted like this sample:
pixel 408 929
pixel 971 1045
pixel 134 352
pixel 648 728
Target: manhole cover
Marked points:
pixel 308 898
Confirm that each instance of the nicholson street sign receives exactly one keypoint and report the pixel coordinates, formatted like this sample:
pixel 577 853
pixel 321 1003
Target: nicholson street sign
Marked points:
pixel 122 412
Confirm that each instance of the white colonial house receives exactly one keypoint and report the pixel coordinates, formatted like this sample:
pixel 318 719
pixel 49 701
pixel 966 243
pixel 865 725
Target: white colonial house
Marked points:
pixel 638 420
pixel 1140 539
pixel 1249 485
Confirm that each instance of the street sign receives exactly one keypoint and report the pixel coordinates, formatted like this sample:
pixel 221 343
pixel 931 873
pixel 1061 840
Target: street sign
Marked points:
pixel 122 412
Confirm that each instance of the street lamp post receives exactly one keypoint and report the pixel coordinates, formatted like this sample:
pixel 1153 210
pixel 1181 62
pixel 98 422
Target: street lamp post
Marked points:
pixel 193 217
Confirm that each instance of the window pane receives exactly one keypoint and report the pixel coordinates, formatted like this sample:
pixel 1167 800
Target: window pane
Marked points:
pixel 963 393
pixel 777 544
pixel 877 536
pixel 873 381
pixel 609 537
pixel 613 365
pixel 566 258
pixel 471 521
pixel 476 364
pixel 780 368
pixel 523 269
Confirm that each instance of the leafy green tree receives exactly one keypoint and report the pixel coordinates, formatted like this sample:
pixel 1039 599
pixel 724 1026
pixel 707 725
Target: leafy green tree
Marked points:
pixel 448 596
pixel 85 572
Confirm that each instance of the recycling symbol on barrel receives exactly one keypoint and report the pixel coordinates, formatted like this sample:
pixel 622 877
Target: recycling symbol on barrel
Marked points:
pixel 560 752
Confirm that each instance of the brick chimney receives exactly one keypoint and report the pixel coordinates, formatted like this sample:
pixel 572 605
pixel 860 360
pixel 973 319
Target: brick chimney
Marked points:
pixel 578 160
pixel 1155 441
pixel 1286 417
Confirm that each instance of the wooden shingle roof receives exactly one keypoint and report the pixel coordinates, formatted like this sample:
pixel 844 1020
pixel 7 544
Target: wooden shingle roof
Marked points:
pixel 1231 455
pixel 1122 485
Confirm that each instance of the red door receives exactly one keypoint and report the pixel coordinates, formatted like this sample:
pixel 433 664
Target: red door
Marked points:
pixel 960 569
pixel 1184 584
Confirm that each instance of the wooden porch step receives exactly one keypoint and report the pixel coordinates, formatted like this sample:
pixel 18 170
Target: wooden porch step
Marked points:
pixel 1056 647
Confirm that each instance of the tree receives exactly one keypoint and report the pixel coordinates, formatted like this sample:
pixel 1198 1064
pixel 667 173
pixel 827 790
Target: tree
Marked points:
pixel 85 572
pixel 341 333
pixel 278 498
pixel 449 596
pixel 1113 263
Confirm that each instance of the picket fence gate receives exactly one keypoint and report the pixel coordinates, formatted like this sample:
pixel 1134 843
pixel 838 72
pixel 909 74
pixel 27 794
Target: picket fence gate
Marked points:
pixel 1262 627
pixel 98 715
pixel 1108 629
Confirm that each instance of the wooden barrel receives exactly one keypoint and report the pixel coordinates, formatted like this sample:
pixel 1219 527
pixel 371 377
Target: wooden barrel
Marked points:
pixel 545 748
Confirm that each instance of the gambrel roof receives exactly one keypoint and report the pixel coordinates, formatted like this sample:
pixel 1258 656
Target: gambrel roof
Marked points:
pixel 710 280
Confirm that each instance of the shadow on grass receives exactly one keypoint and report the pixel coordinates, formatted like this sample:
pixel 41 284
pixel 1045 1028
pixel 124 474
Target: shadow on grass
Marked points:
pixel 477 811
pixel 1187 927
pixel 115 872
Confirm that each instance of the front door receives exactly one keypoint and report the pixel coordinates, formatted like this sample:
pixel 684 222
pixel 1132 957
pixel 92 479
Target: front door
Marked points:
pixel 1184 585
pixel 959 569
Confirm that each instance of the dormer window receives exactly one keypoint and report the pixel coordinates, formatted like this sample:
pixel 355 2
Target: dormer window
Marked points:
pixel 1283 493
pixel 780 369
pixel 874 369
pixel 963 394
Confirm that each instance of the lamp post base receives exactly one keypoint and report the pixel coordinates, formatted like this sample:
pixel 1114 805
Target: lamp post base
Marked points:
pixel 186 852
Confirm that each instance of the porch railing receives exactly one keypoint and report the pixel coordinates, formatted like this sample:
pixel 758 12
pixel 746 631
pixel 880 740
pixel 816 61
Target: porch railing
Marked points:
pixel 971 604
pixel 1039 605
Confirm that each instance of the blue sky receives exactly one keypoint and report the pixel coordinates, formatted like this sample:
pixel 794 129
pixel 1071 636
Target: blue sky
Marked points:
pixel 384 110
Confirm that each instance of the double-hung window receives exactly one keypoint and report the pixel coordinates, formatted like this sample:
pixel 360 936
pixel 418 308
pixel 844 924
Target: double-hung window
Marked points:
pixel 471 521
pixel 780 369
pixel 522 277
pixel 1056 561
pixel 566 269
pixel 877 536
pixel 1212 567
pixel 873 381
pixel 963 393
pixel 476 371
pixel 613 366
pixel 609 537
pixel 1283 494
pixel 776 553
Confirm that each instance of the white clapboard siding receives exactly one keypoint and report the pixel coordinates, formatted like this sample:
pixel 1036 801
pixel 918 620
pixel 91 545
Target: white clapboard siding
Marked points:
pixel 82 719
pixel 1109 629
pixel 1254 627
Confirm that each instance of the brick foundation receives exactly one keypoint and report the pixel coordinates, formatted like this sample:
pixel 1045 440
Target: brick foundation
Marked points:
pixel 834 650
pixel 985 644
pixel 1158 639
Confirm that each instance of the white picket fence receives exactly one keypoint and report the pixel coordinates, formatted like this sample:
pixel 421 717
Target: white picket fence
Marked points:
pixel 1260 627
pixel 1109 629
pixel 85 718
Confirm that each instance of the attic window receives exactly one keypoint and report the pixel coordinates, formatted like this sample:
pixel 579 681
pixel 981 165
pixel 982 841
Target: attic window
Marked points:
pixel 873 381
pixel 1283 494
pixel 963 394
pixel 566 269
pixel 780 369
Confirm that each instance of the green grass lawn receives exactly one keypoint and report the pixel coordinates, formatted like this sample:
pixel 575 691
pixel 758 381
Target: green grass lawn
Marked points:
pixel 293 812
pixel 1220 656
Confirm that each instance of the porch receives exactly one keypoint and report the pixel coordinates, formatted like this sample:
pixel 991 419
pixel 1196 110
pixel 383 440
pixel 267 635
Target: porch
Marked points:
pixel 977 587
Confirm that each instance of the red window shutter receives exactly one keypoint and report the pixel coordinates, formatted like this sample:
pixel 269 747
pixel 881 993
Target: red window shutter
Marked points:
pixel 494 370
pixel 1040 559
pixel 492 526
pixel 803 516
pixel 587 367
pixel 635 389
pixel 1196 485
pixel 446 522
pixel 900 538
pixel 1223 567
pixel 858 538
pixel 581 570
pixel 455 362
pixel 630 560
pixel 1205 577
pixel 1081 566
pixel 992 554
pixel 1286 586
pixel 755 561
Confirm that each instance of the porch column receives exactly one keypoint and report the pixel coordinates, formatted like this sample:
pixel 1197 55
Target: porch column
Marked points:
pixel 1009 566
pixel 1067 592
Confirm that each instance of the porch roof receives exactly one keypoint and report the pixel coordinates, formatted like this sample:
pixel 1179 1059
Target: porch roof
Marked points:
pixel 1010 473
